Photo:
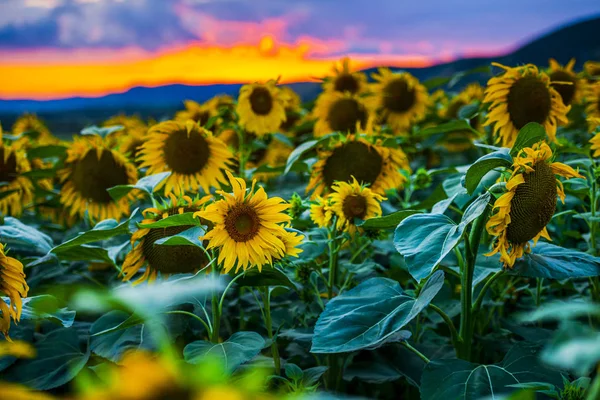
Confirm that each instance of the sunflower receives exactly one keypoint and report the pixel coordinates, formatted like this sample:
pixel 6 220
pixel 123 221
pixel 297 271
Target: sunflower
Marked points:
pixel 293 110
pixel 592 70
pixel 197 112
pixel 195 158
pixel 320 212
pixel 132 127
pixel 592 99
pixel 14 391
pixel 343 80
pixel 261 108
pixel 399 97
pixel 350 201
pixel 90 169
pixel 31 123
pixel 131 144
pixel 594 124
pixel 371 164
pixel 13 163
pixel 565 81
pixel 519 96
pixel 274 155
pixel 13 285
pixel 462 140
pixel 340 112
pixel 522 213
pixel 164 259
pixel 248 227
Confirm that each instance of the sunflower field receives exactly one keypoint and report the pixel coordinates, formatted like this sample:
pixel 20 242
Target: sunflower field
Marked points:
pixel 393 239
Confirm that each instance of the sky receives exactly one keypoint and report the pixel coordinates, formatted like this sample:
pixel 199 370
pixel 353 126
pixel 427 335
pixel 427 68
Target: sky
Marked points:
pixel 62 48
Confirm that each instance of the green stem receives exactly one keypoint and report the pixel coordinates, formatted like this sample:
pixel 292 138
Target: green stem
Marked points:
pixel 269 326
pixel 593 393
pixel 538 291
pixel 359 251
pixel 189 314
pixel 417 352
pixel 484 290
pixel 453 332
pixel 216 318
pixel 333 255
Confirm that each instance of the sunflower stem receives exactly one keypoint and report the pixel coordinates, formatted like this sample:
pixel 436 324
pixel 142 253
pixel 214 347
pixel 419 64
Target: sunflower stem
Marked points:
pixel 417 352
pixel 216 314
pixel 333 253
pixel 453 332
pixel 269 325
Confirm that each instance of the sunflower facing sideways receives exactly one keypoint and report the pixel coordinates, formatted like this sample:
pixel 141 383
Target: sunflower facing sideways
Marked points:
pixel 594 124
pixel 274 155
pixel 399 97
pixel 462 140
pixel 522 213
pixel 592 99
pixel 30 123
pixel 340 112
pixel 13 163
pixel 261 108
pixel 350 201
pixel 343 80
pixel 164 259
pixel 565 81
pixel 248 228
pixel 194 156
pixel 90 169
pixel 197 112
pixel 13 285
pixel 521 95
pixel 373 165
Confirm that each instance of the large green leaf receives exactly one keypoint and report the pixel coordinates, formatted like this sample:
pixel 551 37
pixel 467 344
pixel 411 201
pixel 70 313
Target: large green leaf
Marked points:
pixel 387 221
pixel 424 240
pixel 103 230
pixel 46 307
pixel 269 276
pixel 189 237
pixel 528 136
pixel 575 347
pixel 58 360
pixel 173 220
pixel 297 153
pixel 561 310
pixel 549 261
pixel 484 165
pixel 459 379
pixel 49 151
pixel 370 314
pixel 240 348
pixel 147 185
pixel 114 344
pixel 21 237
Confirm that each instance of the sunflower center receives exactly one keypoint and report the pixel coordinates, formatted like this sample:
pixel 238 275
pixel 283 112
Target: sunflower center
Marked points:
pixel 528 101
pixel 201 117
pixel 186 154
pixel 242 223
pixel 398 96
pixel 134 148
pixel 567 92
pixel 261 101
pixel 533 205
pixel 171 259
pixel 346 83
pixel 344 114
pixel 353 159
pixel 354 206
pixel 8 167
pixel 92 176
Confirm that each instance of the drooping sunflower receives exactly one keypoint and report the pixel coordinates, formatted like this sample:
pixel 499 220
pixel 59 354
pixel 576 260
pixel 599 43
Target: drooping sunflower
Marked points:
pixel 400 98
pixel 13 163
pixel 90 169
pixel 320 212
pixel 164 259
pixel 194 156
pixel 522 213
pixel 592 99
pixel 350 201
pixel 261 108
pixel 519 96
pixel 274 155
pixel 343 80
pixel 12 285
pixel 32 124
pixel 341 112
pixel 248 227
pixel 462 140
pixel 565 81
pixel 371 164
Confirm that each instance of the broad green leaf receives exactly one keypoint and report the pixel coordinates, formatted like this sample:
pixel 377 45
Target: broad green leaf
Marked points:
pixel 424 240
pixel 575 347
pixel 113 345
pixel 312 375
pixel 58 360
pixel 459 379
pixel 49 151
pixel 101 131
pixel 528 136
pixel 240 348
pixel 297 153
pixel 189 237
pixel 20 237
pixel 269 276
pixel 173 220
pixel 147 184
pixel 370 314
pixel 46 307
pixel 103 230
pixel 549 261
pixel 468 111
pixel 484 165
pixel 447 127
pixel 22 332
pixel 387 221
pixel 437 81
pixel 293 371
pixel 561 310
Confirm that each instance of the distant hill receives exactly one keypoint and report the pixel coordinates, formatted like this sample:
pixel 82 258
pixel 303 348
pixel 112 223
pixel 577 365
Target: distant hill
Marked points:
pixel 579 40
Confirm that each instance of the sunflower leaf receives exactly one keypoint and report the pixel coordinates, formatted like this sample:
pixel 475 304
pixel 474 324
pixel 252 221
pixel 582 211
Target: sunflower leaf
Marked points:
pixel 189 237
pixel 297 153
pixel 49 151
pixel 23 238
pixel 172 220
pixel 101 131
pixel 103 230
pixel 387 221
pixel 485 164
pixel 451 126
pixel 112 345
pixel 147 185
pixel 45 307
pixel 269 276
pixel 370 314
pixel 468 111
pixel 528 136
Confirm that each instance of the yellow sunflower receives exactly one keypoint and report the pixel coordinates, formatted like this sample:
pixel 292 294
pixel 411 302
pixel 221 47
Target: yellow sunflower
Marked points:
pixel 293 110
pixel 592 99
pixel 248 227
pixel 341 112
pixel 31 123
pixel 519 96
pixel 462 140
pixel 350 201
pixel 592 70
pixel 133 127
pixel 197 112
pixel 320 212
pixel 131 144
pixel 12 285
pixel 261 108
pixel 522 213
pixel 343 80
pixel 14 391
pixel 194 156
pixel 594 123
pixel 565 81
pixel 400 98
pixel 274 155
pixel 90 169
pixel 371 164
pixel 164 259
pixel 13 163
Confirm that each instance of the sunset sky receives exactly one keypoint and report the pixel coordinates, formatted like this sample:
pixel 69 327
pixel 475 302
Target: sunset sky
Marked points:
pixel 61 48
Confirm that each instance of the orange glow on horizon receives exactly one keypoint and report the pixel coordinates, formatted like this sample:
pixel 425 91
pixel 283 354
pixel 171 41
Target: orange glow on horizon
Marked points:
pixel 66 73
